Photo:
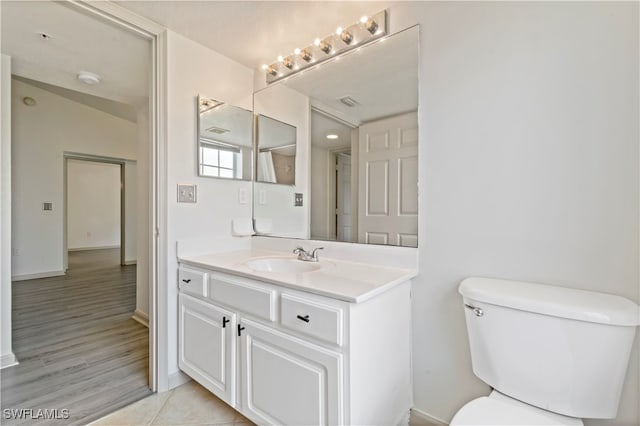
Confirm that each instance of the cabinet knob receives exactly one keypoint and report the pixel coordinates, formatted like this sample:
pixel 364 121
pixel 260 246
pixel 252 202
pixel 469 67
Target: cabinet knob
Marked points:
pixel 304 318
pixel 187 281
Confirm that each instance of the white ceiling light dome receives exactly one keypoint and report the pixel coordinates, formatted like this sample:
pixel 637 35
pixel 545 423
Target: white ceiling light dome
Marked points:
pixel 88 78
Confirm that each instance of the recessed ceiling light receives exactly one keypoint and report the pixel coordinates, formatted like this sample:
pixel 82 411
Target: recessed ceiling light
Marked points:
pixel 332 136
pixel 88 78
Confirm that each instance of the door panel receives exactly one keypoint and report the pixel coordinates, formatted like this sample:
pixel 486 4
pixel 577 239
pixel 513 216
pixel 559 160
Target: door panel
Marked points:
pixel 287 380
pixel 388 181
pixel 207 346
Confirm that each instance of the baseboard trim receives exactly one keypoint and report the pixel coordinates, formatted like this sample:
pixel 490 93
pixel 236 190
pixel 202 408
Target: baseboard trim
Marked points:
pixel 178 378
pixel 93 248
pixel 8 360
pixel 141 317
pixel 38 275
pixel 130 262
pixel 419 415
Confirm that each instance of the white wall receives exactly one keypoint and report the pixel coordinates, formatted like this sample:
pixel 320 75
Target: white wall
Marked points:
pixel 528 167
pixel 6 351
pixel 40 136
pixel 93 204
pixel 131 211
pixel 194 69
pixel 284 104
pixel 143 212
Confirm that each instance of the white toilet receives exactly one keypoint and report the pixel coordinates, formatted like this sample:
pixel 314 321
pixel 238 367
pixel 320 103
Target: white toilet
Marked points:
pixel 553 355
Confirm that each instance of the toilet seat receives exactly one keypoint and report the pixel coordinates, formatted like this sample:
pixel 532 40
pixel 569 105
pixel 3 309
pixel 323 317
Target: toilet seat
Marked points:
pixel 498 409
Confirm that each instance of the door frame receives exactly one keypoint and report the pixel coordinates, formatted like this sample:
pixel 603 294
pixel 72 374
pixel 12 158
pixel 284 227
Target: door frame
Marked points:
pixel 156 178
pixel 65 179
pixel 333 189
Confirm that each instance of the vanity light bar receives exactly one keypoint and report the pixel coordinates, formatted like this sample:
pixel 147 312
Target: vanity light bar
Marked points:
pixel 368 29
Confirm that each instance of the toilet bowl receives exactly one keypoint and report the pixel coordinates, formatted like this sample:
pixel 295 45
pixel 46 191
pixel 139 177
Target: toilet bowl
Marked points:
pixel 534 345
pixel 498 409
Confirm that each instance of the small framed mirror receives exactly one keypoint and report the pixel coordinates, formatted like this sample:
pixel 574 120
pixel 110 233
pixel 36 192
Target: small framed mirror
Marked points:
pixel 225 142
pixel 276 151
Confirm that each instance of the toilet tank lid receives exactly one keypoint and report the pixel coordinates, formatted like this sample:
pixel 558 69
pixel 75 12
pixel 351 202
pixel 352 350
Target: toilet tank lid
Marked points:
pixel 553 300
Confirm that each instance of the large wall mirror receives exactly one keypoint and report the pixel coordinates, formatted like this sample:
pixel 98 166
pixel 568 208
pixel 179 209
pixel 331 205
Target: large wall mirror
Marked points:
pixel 357 154
pixel 225 140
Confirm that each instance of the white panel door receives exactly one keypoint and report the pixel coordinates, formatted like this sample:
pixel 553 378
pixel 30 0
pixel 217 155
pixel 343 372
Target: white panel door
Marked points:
pixel 287 381
pixel 343 209
pixel 207 346
pixel 388 181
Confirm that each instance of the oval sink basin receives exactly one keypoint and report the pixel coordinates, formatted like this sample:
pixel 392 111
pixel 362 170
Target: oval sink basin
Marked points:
pixel 281 264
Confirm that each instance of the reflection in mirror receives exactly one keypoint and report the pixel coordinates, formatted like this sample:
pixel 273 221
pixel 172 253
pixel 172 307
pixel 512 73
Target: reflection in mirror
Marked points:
pixel 362 153
pixel 225 145
pixel 276 151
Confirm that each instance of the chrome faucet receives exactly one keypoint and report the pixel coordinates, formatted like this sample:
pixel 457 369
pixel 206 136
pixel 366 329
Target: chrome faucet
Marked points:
pixel 306 256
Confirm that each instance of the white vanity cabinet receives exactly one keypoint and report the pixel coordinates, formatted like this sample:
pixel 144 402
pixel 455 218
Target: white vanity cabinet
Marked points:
pixel 289 357
pixel 207 347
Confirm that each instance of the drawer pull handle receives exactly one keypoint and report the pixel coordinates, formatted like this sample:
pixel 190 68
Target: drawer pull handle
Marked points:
pixel 225 320
pixel 187 281
pixel 240 328
pixel 304 318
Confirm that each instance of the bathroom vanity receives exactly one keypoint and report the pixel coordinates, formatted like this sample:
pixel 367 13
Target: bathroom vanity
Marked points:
pixel 291 342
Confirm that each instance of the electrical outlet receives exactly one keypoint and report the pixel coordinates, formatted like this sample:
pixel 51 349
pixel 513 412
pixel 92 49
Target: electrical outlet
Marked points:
pixel 186 193
pixel 298 199
pixel 47 206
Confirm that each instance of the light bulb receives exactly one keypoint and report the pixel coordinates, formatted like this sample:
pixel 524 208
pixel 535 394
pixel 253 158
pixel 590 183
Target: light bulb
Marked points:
pixel 296 51
pixel 265 66
pixel 280 58
pixel 339 30
pixel 364 19
pixel 317 41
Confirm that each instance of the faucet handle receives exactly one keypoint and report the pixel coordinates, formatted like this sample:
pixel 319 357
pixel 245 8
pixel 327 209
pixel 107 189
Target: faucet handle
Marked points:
pixel 314 253
pixel 298 250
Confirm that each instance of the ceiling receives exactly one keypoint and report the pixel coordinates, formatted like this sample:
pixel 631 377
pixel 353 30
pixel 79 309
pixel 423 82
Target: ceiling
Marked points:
pixel 228 124
pixel 254 32
pixel 249 32
pixel 78 43
pixel 323 125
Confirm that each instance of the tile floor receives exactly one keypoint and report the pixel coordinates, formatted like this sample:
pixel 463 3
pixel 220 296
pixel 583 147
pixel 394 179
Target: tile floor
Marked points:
pixel 188 405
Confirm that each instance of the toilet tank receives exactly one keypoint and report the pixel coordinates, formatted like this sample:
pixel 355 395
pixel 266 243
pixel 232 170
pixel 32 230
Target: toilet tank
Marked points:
pixel 559 349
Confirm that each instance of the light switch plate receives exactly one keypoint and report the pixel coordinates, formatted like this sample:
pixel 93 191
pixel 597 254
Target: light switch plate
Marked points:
pixel 186 193
pixel 47 206
pixel 298 199
pixel 242 196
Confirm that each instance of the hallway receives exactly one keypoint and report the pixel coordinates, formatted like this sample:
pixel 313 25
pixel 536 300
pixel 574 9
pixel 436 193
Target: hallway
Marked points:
pixel 75 340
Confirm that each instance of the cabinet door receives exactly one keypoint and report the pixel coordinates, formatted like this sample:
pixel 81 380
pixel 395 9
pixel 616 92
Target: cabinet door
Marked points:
pixel 207 346
pixel 287 381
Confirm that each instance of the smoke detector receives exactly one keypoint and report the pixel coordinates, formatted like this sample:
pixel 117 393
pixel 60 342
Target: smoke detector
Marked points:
pixel 88 78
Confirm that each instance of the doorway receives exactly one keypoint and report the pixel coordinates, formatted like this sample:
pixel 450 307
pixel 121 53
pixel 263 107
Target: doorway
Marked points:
pixel 48 206
pixel 99 207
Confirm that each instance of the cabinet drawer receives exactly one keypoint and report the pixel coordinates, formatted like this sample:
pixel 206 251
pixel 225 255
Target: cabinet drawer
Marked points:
pixel 192 281
pixel 244 296
pixel 312 318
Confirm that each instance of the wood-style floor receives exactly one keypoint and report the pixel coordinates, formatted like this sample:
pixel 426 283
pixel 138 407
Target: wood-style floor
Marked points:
pixel 75 340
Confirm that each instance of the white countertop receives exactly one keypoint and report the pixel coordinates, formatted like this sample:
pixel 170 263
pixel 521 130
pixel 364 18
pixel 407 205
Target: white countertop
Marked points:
pixel 338 279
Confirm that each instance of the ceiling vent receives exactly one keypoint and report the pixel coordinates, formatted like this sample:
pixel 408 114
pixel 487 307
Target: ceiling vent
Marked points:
pixel 349 101
pixel 217 130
